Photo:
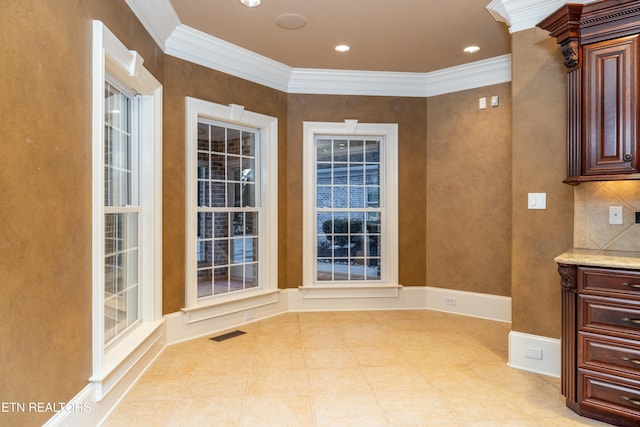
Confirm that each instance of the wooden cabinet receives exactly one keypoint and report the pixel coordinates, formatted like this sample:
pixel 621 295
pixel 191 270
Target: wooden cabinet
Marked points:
pixel 600 45
pixel 610 116
pixel 601 343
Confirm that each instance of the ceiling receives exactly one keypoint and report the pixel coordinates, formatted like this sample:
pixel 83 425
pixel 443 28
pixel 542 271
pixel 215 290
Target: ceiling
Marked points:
pixel 384 35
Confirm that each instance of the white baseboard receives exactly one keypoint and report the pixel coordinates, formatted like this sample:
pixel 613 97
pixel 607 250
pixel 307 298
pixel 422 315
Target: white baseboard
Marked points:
pixel 408 298
pixel 492 307
pixel 484 306
pixel 178 328
pixel 85 410
pixel 534 353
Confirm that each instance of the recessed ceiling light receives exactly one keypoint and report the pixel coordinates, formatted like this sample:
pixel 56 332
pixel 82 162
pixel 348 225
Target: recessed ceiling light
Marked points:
pixel 342 48
pixel 250 3
pixel 471 49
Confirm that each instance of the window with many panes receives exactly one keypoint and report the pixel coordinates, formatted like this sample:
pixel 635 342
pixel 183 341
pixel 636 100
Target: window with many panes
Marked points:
pixel 228 209
pixel 121 212
pixel 350 205
pixel 348 210
pixel 232 209
pixel 126 180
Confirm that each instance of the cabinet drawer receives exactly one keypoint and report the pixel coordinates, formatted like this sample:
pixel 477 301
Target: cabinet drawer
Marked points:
pixel 609 316
pixel 608 394
pixel 601 353
pixel 609 282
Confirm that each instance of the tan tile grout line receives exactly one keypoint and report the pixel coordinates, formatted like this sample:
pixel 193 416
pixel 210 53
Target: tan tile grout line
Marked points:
pixel 380 321
pixel 175 404
pixel 306 369
pixel 243 410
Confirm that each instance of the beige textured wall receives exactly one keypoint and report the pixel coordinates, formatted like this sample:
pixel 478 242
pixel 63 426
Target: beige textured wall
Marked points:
pixel 45 194
pixel 185 79
pixel 539 145
pixel 469 191
pixel 45 174
pixel 591 226
pixel 117 16
pixel 410 115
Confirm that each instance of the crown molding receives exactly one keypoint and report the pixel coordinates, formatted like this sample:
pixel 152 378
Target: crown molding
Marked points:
pixel 352 82
pixel 346 82
pixel 211 52
pixel 524 14
pixel 203 49
pixel 189 44
pixel 469 76
pixel 157 16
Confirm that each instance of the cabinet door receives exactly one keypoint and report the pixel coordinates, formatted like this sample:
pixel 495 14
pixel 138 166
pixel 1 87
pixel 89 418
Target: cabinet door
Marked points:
pixel 610 114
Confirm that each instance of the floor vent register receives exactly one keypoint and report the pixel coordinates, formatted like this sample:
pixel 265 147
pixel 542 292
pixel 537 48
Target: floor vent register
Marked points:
pixel 228 335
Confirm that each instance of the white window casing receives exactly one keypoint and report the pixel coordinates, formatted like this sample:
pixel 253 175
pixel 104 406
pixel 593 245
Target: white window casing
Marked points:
pixel 114 62
pixel 387 285
pixel 266 167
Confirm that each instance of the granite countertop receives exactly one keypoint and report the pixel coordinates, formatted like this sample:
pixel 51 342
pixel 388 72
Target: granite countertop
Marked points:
pixel 600 258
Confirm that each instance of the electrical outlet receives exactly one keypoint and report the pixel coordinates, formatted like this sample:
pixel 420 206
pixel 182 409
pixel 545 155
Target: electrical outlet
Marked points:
pixel 615 215
pixel 250 315
pixel 449 300
pixel 533 353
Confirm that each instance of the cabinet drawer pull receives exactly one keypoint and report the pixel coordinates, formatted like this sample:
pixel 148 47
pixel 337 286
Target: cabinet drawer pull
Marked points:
pixel 630 400
pixel 631 285
pixel 634 361
pixel 627 157
pixel 627 319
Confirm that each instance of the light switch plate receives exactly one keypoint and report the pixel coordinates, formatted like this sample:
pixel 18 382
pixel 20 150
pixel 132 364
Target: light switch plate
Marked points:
pixel 537 201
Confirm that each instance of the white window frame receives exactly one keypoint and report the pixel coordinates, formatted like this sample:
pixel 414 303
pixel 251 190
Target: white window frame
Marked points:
pixel 388 286
pixel 267 290
pixel 134 206
pixel 111 59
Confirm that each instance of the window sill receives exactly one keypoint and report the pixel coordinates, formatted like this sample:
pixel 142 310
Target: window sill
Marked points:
pixel 117 362
pixel 233 304
pixel 351 291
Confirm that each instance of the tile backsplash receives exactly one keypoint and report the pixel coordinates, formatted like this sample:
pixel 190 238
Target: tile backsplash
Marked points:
pixel 591 215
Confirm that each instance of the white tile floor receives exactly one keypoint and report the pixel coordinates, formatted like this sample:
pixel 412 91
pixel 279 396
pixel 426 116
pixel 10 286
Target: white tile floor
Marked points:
pixel 374 368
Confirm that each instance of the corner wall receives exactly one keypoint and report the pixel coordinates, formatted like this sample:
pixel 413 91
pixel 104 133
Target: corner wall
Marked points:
pixel 45 194
pixel 469 191
pixel 539 166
